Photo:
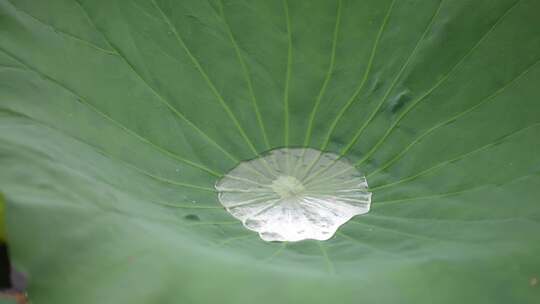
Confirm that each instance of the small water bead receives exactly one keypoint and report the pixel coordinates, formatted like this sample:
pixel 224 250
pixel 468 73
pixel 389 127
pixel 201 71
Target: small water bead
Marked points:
pixel 294 194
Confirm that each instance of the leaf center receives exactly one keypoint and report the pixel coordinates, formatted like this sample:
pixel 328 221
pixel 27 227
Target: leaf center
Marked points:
pixel 287 186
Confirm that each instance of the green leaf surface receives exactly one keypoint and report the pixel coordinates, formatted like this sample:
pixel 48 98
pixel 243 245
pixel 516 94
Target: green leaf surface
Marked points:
pixel 7 301
pixel 117 117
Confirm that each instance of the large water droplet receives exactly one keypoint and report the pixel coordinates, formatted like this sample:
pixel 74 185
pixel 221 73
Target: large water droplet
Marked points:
pixel 294 194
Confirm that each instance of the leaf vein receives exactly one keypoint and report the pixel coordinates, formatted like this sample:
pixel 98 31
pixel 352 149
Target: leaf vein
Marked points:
pixel 345 150
pixel 441 81
pixel 206 78
pixel 326 80
pixel 158 95
pixel 246 75
pixel 453 118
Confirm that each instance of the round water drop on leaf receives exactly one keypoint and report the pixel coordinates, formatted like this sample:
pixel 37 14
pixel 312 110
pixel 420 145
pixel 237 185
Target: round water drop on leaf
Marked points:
pixel 294 194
